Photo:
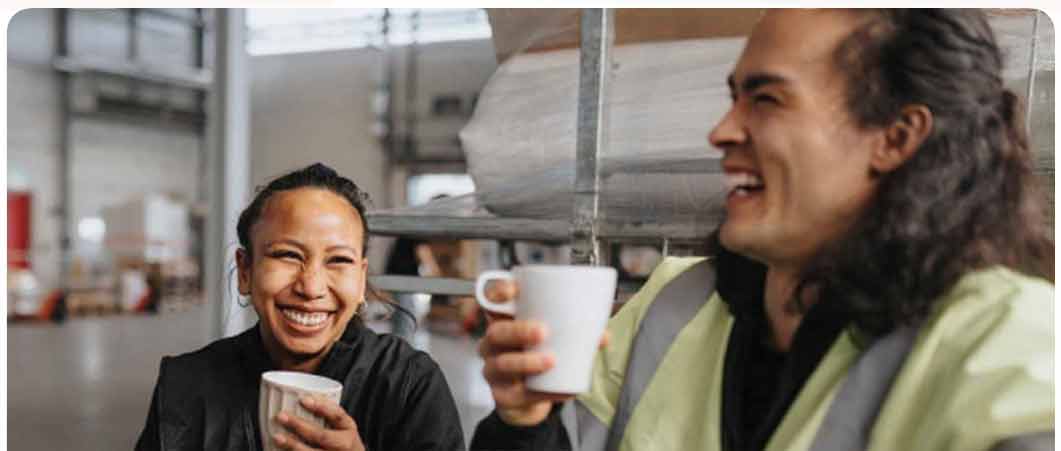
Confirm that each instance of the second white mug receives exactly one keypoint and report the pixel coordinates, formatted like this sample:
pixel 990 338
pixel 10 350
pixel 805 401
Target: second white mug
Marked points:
pixel 574 302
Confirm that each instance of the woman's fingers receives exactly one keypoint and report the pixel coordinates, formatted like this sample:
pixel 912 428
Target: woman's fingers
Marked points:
pixel 342 433
pixel 331 411
pixel 305 431
pixel 290 443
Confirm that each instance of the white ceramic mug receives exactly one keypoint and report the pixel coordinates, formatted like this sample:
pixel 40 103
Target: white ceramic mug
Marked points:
pixel 574 302
pixel 281 391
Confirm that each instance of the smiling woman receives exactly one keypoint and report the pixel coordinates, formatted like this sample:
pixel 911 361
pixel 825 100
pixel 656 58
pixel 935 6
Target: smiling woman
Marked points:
pixel 302 263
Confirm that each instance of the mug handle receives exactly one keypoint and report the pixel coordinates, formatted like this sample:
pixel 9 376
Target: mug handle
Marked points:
pixel 508 308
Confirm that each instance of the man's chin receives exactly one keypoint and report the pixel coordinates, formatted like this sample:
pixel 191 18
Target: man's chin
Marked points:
pixel 734 238
pixel 742 241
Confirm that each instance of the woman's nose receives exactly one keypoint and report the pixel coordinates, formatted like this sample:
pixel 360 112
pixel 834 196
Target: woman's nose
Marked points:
pixel 311 283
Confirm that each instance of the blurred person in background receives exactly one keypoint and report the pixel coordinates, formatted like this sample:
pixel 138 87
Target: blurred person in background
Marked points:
pixel 437 257
pixel 883 279
pixel 444 258
pixel 302 263
pixel 403 261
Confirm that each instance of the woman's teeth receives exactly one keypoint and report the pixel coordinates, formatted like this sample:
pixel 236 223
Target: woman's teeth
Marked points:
pixel 304 318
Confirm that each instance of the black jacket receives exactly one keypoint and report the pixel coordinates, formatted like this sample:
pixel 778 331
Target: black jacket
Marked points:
pixel 208 399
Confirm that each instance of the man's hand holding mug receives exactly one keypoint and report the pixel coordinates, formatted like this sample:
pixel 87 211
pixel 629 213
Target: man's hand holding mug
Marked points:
pixel 546 323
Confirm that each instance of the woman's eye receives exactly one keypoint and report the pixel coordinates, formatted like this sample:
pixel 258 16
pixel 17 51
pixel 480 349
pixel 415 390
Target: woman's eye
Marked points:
pixel 286 255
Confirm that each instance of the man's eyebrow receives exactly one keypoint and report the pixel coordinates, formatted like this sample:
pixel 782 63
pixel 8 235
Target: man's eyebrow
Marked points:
pixel 755 80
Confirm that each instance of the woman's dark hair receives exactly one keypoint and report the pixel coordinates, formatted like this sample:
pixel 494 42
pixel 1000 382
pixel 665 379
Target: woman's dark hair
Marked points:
pixel 966 200
pixel 314 176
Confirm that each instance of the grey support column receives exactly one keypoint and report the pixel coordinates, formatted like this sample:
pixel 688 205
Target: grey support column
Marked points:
pixel 594 74
pixel 65 172
pixel 228 169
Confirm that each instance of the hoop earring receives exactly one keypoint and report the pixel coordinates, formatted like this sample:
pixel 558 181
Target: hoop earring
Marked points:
pixel 242 301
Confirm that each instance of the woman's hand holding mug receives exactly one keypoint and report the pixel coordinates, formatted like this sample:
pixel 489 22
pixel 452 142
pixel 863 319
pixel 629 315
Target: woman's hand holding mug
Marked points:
pixel 340 435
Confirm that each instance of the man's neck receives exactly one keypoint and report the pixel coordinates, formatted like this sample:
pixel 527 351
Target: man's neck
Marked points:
pixel 778 301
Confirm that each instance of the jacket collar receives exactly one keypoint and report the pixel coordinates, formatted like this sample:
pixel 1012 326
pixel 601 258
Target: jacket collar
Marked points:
pixel 252 351
pixel 256 360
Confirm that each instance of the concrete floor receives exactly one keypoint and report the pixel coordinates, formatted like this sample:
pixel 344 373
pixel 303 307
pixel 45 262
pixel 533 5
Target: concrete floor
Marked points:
pixel 86 384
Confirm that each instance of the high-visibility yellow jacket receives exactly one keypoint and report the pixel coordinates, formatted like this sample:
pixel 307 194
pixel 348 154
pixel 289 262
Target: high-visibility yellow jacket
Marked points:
pixel 980 372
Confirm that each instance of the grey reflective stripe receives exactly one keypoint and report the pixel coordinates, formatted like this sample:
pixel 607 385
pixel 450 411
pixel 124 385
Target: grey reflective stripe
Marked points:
pixel 591 431
pixel 674 306
pixel 1033 441
pixel 854 409
pixel 569 418
pixel 585 431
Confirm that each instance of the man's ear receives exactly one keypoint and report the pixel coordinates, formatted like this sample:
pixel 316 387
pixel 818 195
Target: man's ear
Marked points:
pixel 902 138
pixel 243 271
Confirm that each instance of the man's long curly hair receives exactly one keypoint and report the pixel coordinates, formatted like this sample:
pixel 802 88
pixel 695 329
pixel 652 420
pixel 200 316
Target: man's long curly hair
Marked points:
pixel 966 200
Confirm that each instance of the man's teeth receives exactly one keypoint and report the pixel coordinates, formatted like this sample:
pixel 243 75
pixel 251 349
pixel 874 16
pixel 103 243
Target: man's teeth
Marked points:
pixel 303 318
pixel 742 182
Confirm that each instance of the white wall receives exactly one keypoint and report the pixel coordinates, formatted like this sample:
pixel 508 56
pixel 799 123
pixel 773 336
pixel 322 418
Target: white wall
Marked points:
pixel 316 107
pixel 459 68
pixel 309 107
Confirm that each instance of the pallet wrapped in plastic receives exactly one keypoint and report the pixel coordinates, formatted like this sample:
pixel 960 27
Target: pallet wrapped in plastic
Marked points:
pixel 664 98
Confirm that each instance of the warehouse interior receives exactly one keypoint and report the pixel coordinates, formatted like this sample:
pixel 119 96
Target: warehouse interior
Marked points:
pixel 136 136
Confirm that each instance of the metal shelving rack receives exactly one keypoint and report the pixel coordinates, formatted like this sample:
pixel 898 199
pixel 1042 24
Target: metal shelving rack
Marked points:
pixel 586 231
pixel 464 218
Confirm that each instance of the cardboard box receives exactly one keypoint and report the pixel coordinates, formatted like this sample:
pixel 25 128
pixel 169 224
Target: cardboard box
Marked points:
pixel 152 228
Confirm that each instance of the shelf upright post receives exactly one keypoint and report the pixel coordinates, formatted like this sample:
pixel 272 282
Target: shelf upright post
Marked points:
pixel 597 35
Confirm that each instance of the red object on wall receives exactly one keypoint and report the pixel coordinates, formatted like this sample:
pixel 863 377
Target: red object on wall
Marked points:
pixel 19 208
